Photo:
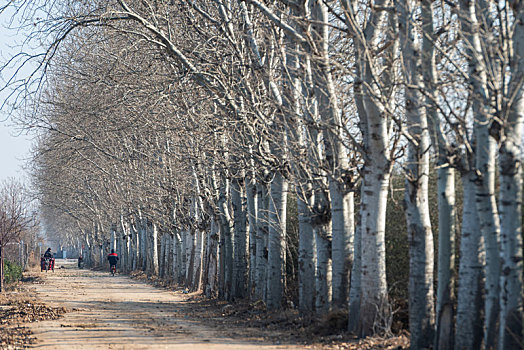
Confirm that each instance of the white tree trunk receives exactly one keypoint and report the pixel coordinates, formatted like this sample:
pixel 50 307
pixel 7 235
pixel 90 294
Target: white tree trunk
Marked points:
pixel 374 307
pixel 336 156
pixel 125 234
pixel 114 243
pixel 134 247
pixel 226 225
pixel 142 245
pixel 306 246
pixel 374 297
pixel 240 270
pixel 178 267
pixel 197 264
pixel 276 244
pixel 445 189
pixel 355 287
pixel 469 301
pixel 342 212
pixel 89 251
pixel 510 198
pixel 420 236
pixel 154 249
pixel 261 237
pixel 190 256
pixel 252 221
pixel 212 270
pixel 323 280
pixel 169 257
pixel 489 226
pixel 446 257
pixel 485 160
pixel 148 246
pixel 374 125
pixel 162 255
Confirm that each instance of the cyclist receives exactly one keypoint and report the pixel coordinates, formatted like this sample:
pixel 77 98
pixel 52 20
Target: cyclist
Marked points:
pixel 113 259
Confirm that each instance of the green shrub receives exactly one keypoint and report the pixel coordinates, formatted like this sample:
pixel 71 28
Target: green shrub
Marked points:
pixel 12 272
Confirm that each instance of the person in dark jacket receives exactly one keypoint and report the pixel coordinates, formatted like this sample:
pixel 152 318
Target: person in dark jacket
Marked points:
pixel 48 253
pixel 49 258
pixel 113 259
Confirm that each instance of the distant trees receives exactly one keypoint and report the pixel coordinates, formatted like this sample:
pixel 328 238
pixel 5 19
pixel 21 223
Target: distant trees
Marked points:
pixel 15 218
pixel 178 132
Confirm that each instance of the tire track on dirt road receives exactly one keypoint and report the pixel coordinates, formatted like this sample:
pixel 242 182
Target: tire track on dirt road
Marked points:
pixel 121 313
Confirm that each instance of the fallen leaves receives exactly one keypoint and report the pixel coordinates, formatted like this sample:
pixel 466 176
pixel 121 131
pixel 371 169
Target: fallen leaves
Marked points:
pixel 27 311
pixel 15 337
pixel 244 319
pixel 17 309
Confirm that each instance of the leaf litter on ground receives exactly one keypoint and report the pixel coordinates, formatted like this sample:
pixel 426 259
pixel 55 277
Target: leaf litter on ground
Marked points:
pixel 18 307
pixel 251 320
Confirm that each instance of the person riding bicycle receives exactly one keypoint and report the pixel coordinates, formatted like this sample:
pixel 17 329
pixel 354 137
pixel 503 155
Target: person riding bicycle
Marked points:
pixel 113 259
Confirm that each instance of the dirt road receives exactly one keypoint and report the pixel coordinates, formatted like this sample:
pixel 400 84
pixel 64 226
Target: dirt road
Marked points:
pixel 122 313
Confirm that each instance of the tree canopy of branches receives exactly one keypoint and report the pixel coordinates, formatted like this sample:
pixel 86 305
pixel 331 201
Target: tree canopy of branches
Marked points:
pixel 179 132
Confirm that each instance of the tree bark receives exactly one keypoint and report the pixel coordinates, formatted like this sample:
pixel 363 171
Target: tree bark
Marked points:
pixel 306 262
pixel 211 285
pixel 336 157
pixel 374 124
pixel 355 287
pixel 446 258
pixel 154 249
pixel 240 271
pixel 374 305
pixel 469 304
pixel 251 196
pixel 420 236
pixel 226 224
pixel 510 199
pixel 276 241
pixel 197 265
pixel 484 159
pixel 323 288
pixel 445 189
pixel 262 238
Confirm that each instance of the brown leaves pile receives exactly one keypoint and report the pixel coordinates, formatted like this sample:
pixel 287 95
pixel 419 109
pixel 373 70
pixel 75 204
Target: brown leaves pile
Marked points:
pixel 251 319
pixel 14 312
pixel 27 311
pixel 15 337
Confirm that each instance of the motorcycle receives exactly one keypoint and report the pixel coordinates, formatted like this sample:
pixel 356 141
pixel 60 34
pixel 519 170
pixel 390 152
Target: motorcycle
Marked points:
pixel 47 264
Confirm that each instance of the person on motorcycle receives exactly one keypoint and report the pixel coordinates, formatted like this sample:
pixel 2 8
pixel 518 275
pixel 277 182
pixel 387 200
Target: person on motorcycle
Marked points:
pixel 48 253
pixel 47 262
pixel 113 259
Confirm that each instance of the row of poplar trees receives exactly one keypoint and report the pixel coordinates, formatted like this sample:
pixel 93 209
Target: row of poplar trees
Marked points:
pixel 177 131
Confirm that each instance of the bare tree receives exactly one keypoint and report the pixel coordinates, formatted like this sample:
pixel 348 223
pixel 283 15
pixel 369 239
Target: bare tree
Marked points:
pixel 14 217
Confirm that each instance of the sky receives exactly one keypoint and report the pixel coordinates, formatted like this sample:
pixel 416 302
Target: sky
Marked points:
pixel 14 151
pixel 14 148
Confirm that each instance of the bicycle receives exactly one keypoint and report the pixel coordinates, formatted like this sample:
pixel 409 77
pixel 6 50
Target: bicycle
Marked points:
pixel 113 269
